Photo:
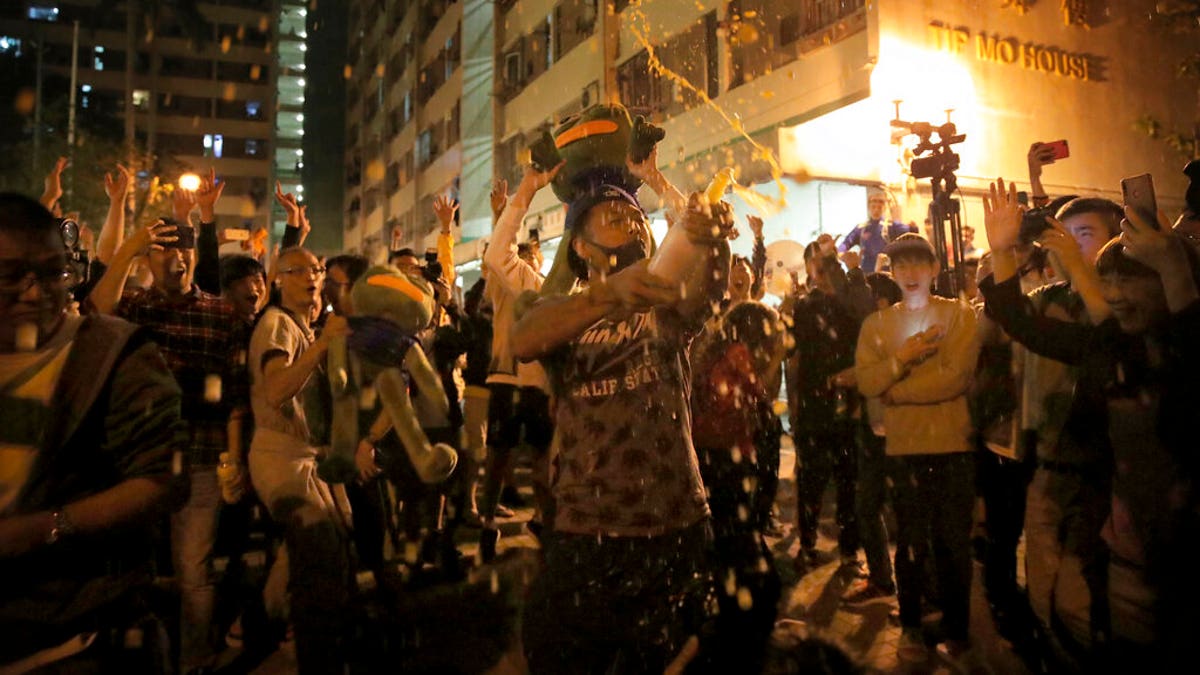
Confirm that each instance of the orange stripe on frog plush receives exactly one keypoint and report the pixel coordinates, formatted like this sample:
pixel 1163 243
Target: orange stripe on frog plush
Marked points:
pixel 398 283
pixel 582 131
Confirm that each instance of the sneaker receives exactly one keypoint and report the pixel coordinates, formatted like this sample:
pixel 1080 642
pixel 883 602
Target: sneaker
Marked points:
pixel 510 496
pixel 487 544
pixel 911 648
pixel 503 511
pixel 865 592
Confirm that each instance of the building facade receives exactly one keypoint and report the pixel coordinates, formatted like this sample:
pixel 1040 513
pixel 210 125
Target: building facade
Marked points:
pixel 218 83
pixel 813 83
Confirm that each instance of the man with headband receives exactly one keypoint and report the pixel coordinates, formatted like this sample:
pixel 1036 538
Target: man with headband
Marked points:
pixel 624 575
pixel 204 343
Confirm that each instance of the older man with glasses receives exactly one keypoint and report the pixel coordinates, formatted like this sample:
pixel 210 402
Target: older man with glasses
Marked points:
pixel 285 363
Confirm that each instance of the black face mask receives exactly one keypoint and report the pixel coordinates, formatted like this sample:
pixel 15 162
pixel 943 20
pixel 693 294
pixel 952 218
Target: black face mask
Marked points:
pixel 620 257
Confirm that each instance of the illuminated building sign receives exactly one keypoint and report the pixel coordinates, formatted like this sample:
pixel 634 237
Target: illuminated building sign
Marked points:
pixel 1011 51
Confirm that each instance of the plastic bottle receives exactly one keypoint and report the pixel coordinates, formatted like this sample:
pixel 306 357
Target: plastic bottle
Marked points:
pixel 677 256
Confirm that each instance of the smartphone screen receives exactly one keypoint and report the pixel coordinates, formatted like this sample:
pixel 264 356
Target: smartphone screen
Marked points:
pixel 237 234
pixel 1023 198
pixel 1139 195
pixel 1061 149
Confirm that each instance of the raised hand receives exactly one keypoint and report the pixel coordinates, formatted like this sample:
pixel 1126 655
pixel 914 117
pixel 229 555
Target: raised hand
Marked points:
pixel 645 170
pixel 445 208
pixel 535 180
pixel 182 203
pixel 1039 155
pixel 708 224
pixel 118 183
pixel 756 225
pixel 1152 246
pixel 53 184
pixel 208 194
pixel 499 197
pixel 1058 240
pixel 1002 215
pixel 153 235
pixel 289 204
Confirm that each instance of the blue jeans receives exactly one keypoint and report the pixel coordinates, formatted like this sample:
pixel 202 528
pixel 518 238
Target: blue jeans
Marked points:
pixel 193 533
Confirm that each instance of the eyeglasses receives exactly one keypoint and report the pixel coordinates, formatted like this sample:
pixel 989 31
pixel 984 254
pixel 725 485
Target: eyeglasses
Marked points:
pixel 314 270
pixel 15 280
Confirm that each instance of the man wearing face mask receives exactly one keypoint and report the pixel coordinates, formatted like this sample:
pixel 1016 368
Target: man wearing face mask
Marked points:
pixel 204 342
pixel 519 391
pixel 624 574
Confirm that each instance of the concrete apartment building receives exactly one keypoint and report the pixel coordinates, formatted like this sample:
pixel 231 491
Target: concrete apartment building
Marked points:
pixel 444 96
pixel 229 95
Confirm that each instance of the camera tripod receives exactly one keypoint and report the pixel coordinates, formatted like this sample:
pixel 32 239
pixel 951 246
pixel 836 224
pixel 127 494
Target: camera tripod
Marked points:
pixel 938 163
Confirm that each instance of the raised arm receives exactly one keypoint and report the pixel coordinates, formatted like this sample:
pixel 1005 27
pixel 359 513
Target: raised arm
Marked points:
pixel 107 292
pixel 1039 155
pixel 758 259
pixel 208 255
pixel 53 185
pixel 647 171
pixel 116 186
pixel 501 257
pixel 445 208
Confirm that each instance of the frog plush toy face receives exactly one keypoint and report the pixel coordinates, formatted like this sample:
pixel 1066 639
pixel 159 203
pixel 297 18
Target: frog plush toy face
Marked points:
pixel 387 293
pixel 594 144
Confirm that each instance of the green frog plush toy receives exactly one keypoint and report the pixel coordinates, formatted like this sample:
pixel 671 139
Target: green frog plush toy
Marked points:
pixel 595 145
pixel 381 355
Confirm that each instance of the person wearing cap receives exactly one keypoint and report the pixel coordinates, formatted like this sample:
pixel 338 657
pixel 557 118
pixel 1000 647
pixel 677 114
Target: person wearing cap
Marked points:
pixel 872 236
pixel 204 341
pixel 625 563
pixel 918 357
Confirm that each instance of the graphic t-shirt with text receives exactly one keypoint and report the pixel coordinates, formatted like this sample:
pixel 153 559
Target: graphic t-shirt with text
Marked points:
pixel 626 465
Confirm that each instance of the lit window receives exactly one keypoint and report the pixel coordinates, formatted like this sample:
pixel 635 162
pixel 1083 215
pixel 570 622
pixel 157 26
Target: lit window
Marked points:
pixel 218 145
pixel 141 97
pixel 43 13
pixel 85 88
pixel 97 64
pixel 252 108
pixel 99 49
pixel 251 147
pixel 208 141
pixel 10 44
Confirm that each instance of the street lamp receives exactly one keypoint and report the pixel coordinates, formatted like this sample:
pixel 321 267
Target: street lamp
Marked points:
pixel 189 182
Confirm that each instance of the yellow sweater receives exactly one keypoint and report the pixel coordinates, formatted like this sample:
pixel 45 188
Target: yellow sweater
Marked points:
pixel 927 410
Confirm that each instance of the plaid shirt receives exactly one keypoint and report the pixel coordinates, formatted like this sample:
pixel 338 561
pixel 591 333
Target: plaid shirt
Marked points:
pixel 202 339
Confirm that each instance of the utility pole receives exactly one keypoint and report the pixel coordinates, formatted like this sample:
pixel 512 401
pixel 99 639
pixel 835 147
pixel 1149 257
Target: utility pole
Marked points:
pixel 71 112
pixel 37 104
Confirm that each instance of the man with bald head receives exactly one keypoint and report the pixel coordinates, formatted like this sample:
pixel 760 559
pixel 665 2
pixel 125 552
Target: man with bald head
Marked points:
pixel 285 361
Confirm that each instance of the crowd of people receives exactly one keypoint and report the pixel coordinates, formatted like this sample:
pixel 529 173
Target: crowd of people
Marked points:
pixel 171 405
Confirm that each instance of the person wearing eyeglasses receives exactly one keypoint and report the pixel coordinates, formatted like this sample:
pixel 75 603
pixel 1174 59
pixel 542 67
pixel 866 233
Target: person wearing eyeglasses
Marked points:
pixel 286 362
pixel 204 341
pixel 89 417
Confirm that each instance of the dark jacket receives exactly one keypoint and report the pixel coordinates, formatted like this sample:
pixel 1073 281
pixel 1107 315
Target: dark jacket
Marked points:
pixel 114 416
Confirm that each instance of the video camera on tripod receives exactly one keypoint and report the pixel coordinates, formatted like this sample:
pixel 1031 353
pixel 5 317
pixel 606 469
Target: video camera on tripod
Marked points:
pixel 937 162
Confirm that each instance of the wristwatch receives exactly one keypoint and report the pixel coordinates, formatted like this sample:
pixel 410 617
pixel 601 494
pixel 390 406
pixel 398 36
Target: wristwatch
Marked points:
pixel 62 527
